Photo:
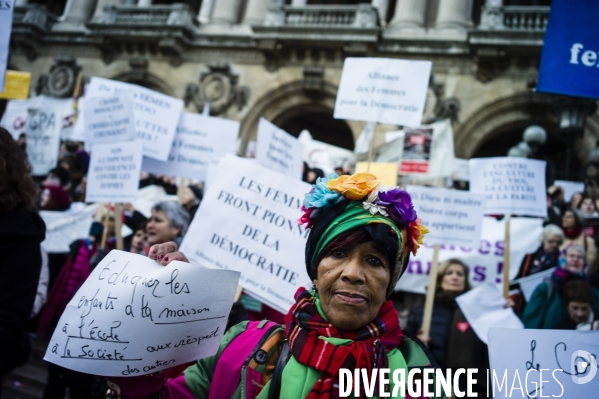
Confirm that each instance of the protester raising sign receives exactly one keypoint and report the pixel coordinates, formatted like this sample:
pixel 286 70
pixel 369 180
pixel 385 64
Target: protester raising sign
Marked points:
pixel 383 90
pixel 278 150
pixel 543 363
pixel 511 185
pixel 114 171
pixel 199 139
pixel 130 308
pixel 109 119
pixel 247 221
pixel 452 217
pixel 156 114
pixel 485 261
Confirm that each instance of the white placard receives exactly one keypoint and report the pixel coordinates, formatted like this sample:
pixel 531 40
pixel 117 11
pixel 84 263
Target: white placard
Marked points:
pixel 562 356
pixel 383 90
pixel 6 13
pixel 114 171
pixel 452 217
pixel 364 140
pixel 485 261
pixel 132 317
pixel 156 114
pixel 199 139
pixel 461 169
pixel 570 188
pixel 148 196
pixel 44 126
pixel 278 150
pixel 247 221
pixel 62 228
pixel 511 185
pixel 484 308
pixel 109 119
pixel 327 157
pixel 16 114
pixel 529 283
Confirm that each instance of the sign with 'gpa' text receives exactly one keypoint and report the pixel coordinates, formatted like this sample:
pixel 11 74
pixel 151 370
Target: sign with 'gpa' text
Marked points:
pixel 278 150
pixel 114 170
pixel 383 90
pixel 133 316
pixel 511 185
pixel 247 222
pixel 43 128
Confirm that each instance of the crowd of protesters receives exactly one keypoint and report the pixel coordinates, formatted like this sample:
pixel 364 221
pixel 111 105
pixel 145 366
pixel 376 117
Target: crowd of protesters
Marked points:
pixel 567 299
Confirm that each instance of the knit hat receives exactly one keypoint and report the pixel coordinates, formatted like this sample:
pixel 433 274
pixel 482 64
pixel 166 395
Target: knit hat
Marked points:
pixel 338 204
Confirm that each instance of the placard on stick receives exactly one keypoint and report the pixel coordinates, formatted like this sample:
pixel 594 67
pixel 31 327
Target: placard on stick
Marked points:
pixel 109 119
pixel 133 317
pixel 278 150
pixel 114 171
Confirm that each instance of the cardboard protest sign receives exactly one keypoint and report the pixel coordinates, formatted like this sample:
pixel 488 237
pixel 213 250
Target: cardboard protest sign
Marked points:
pixel 278 150
pixel 416 151
pixel 16 85
pixel 386 172
pixel 543 363
pixel 114 170
pixel 485 260
pixel 484 308
pixel 452 217
pixel 132 317
pixel 461 169
pixel 247 222
pixel 327 157
pixel 383 90
pixel 16 114
pixel 109 119
pixel 511 185
pixel 6 13
pixel 570 188
pixel 199 139
pixel 43 129
pixel 156 114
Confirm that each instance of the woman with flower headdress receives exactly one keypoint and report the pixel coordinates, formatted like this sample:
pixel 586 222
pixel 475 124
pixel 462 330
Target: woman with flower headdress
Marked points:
pixel 360 236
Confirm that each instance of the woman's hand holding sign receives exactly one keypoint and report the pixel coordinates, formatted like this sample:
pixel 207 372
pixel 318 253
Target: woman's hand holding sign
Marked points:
pixel 166 253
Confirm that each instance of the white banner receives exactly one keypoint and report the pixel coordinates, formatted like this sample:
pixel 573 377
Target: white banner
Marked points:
pixel 278 150
pixel 325 156
pixel 16 114
pixel 570 188
pixel 485 262
pixel 383 90
pixel 133 317
pixel 6 13
pixel 114 171
pixel 156 114
pixel 452 217
pixel 543 363
pixel 109 119
pixel 62 228
pixel 511 185
pixel 199 139
pixel 247 221
pixel 43 129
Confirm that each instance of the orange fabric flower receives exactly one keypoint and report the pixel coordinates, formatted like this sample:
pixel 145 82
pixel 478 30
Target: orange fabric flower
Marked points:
pixel 354 187
pixel 415 233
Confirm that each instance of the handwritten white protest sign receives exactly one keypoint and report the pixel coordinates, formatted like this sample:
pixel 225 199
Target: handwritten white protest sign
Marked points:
pixel 6 13
pixel 383 90
pixel 543 363
pixel 511 185
pixel 485 260
pixel 199 139
pixel 156 114
pixel 109 119
pixel 133 317
pixel 43 130
pixel 570 188
pixel 278 150
pixel 247 221
pixel 484 308
pixel 114 170
pixel 452 217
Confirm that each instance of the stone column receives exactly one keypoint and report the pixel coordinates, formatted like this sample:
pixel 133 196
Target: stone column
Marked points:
pixel 382 6
pixel 144 3
pixel 256 10
pixel 409 13
pixel 206 11
pixel 79 11
pixel 226 11
pixel 299 3
pixel 454 14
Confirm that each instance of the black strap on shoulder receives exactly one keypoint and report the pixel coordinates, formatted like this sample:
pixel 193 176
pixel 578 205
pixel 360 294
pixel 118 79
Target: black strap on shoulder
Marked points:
pixel 275 382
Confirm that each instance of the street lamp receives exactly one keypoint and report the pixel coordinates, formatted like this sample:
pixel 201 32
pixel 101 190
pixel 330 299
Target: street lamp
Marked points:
pixel 535 136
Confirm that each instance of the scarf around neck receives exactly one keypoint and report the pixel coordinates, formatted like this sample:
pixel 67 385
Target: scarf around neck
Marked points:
pixel 572 233
pixel 305 327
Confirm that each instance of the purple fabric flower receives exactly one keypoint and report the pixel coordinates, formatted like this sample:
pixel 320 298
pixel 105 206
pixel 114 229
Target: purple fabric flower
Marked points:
pixel 398 204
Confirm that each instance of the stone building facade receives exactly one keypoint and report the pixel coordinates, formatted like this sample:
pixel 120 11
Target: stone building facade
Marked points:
pixel 282 60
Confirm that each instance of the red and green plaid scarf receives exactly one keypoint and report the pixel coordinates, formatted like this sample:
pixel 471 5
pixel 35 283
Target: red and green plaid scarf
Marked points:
pixel 305 325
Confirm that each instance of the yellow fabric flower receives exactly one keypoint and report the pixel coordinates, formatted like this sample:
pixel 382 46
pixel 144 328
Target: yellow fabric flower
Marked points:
pixel 354 187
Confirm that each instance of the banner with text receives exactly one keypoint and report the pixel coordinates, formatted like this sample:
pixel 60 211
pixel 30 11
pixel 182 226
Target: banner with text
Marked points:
pixel 43 128
pixel 510 184
pixel 109 119
pixel 199 139
pixel 383 90
pixel 6 14
pixel 114 171
pixel 16 114
pixel 452 217
pixel 484 261
pixel 133 317
pixel 543 363
pixel 156 114
pixel 416 151
pixel 247 222
pixel 278 150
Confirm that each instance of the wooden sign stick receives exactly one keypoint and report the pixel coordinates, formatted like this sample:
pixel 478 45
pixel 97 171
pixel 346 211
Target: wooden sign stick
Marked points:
pixel 371 149
pixel 99 212
pixel 105 229
pixel 430 294
pixel 181 190
pixel 118 224
pixel 506 257
pixel 238 293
